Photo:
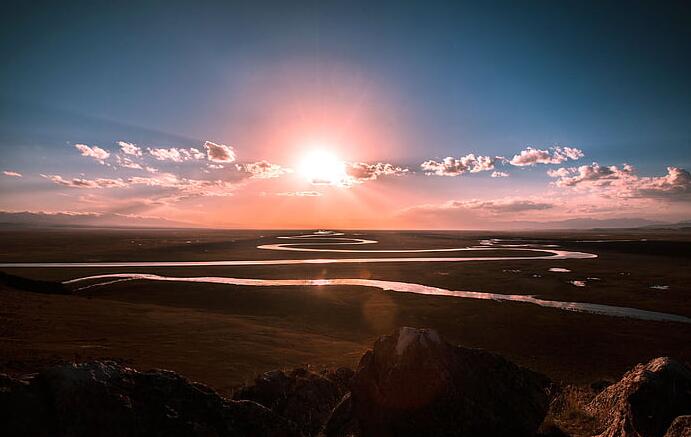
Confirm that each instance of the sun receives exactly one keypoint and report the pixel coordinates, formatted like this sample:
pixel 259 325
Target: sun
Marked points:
pixel 323 167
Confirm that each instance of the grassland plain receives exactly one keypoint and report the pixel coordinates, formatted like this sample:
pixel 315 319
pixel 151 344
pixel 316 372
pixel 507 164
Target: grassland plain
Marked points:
pixel 224 335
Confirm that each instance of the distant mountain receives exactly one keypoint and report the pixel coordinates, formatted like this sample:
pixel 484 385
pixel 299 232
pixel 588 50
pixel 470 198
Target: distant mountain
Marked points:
pixel 679 225
pixel 26 218
pixel 588 223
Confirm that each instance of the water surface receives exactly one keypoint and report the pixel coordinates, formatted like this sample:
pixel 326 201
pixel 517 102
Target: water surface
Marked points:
pixel 403 287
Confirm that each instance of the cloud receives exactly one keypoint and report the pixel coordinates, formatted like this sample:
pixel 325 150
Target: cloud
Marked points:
pixel 471 163
pixel 263 169
pixel 125 162
pixel 12 173
pixel 219 152
pixel 175 186
pixel 554 155
pixel 86 183
pixel 130 148
pixel 184 187
pixel 300 194
pixel 176 154
pixel 623 182
pixel 451 166
pixel 361 171
pixel 675 184
pixel 593 175
pixel 94 152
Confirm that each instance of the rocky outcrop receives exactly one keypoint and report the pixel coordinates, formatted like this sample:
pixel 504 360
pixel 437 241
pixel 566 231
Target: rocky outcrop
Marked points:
pixel 681 427
pixel 106 399
pixel 414 383
pixel 645 401
pixel 304 397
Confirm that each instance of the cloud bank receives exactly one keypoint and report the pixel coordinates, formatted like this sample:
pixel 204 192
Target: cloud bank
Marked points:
pixel 178 187
pixel 623 182
pixel 500 206
pixel 86 183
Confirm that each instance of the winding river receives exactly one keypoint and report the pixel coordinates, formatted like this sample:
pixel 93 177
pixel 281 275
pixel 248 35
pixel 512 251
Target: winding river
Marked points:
pixel 338 239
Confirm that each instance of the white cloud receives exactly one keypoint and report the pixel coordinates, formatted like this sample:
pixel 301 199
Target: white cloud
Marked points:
pixel 130 148
pixel 554 155
pixel 451 166
pixel 12 173
pixel 499 174
pixel 176 154
pixel 219 152
pixel 94 152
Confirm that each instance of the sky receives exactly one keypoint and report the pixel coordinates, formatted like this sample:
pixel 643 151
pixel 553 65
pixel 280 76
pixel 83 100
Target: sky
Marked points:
pixel 324 114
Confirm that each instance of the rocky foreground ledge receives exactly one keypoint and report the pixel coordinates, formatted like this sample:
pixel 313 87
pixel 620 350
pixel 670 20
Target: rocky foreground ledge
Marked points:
pixel 412 383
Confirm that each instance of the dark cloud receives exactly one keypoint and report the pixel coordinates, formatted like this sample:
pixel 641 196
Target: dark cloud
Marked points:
pixel 363 171
pixel 219 152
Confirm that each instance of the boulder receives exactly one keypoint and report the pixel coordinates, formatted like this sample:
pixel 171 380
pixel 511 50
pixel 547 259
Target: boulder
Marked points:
pixel 645 401
pixel 304 397
pixel 414 383
pixel 106 399
pixel 681 427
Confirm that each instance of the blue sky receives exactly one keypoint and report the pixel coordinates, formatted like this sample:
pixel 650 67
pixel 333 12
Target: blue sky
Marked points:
pixel 405 82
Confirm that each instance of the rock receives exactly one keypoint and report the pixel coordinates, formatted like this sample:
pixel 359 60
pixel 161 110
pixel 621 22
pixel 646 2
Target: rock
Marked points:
pixel 645 401
pixel 342 422
pixel 103 398
pixel 301 396
pixel 414 383
pixel 681 427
